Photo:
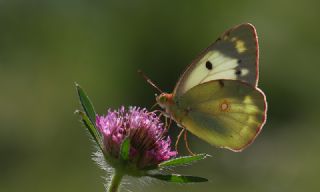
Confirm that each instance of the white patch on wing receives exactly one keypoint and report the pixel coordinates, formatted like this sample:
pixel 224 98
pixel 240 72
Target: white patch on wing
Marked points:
pixel 228 74
pixel 244 72
pixel 225 63
pixel 240 46
pixel 223 67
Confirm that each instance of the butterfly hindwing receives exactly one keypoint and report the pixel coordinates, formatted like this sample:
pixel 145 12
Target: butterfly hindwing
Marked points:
pixel 225 113
pixel 233 56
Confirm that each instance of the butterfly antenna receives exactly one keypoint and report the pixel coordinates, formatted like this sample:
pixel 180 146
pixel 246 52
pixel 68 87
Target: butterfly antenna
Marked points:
pixel 149 81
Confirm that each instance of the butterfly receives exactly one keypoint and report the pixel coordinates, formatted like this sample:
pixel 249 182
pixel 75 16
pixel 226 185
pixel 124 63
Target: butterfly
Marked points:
pixel 216 97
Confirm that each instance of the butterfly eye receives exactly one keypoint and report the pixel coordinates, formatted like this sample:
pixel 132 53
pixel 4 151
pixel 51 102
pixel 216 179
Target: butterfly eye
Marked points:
pixel 162 99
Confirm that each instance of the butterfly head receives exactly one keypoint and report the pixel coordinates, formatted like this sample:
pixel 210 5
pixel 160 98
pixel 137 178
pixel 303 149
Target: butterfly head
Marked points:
pixel 164 99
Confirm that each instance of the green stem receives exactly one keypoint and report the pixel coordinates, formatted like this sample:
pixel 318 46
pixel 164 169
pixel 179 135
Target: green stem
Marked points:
pixel 115 181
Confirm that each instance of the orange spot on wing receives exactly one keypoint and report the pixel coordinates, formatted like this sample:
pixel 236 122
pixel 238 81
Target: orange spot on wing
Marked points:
pixel 225 106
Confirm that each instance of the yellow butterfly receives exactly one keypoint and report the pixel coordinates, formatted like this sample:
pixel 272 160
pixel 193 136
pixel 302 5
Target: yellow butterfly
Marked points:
pixel 217 98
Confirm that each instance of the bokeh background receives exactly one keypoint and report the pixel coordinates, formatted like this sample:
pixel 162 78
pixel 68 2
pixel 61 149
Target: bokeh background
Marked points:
pixel 46 46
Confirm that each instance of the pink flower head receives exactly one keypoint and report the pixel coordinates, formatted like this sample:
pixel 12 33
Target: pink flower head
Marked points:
pixel 148 146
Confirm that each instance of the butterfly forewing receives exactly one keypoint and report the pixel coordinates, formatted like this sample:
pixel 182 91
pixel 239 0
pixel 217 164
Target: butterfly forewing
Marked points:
pixel 225 113
pixel 233 56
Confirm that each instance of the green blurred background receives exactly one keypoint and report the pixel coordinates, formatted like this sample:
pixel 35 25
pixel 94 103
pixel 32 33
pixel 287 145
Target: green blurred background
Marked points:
pixel 45 46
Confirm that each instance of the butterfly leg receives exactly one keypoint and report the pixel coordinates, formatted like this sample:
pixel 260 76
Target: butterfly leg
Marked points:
pixel 154 105
pixel 186 142
pixel 169 124
pixel 161 113
pixel 157 111
pixel 178 139
pixel 166 116
pixel 166 126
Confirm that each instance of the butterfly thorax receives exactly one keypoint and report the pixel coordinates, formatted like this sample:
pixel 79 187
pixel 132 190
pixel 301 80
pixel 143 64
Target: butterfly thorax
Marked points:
pixel 168 102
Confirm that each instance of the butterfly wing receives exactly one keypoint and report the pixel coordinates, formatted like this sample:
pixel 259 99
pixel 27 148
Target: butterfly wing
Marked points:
pixel 225 113
pixel 233 56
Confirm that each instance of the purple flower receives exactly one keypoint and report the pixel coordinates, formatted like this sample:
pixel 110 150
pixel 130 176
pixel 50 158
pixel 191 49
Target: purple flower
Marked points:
pixel 148 145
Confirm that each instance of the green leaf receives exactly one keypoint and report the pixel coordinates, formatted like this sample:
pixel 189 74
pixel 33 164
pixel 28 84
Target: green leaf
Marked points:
pixel 92 129
pixel 125 149
pixel 178 178
pixel 183 160
pixel 86 104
